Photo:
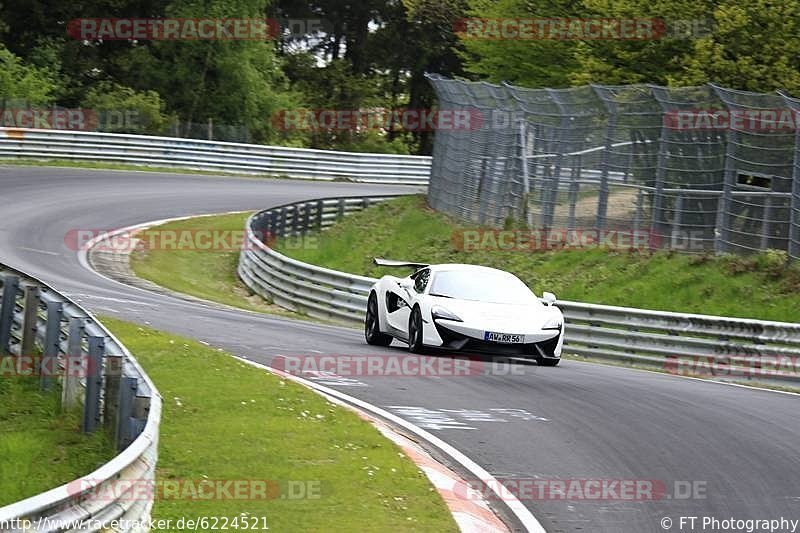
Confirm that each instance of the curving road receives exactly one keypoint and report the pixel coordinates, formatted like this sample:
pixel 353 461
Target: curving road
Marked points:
pixel 574 422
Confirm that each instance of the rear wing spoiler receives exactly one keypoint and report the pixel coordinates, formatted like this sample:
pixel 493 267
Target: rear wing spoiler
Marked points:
pixel 393 263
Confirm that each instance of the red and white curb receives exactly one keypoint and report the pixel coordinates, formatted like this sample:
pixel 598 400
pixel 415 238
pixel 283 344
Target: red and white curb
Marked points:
pixel 472 515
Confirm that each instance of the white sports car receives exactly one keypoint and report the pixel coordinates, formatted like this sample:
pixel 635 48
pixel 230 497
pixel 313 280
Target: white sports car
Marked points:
pixel 464 307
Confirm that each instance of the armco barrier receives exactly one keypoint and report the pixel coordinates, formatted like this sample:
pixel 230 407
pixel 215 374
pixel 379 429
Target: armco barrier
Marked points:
pixel 194 154
pixel 117 397
pixel 650 338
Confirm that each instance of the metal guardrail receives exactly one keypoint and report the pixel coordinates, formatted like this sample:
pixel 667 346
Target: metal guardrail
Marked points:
pixel 193 154
pixel 744 349
pixel 116 396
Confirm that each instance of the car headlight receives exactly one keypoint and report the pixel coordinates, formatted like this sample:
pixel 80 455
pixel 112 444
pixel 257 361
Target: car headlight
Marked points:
pixel 553 323
pixel 437 311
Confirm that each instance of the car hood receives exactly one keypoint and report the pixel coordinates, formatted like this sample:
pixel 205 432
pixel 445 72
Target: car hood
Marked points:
pixel 497 315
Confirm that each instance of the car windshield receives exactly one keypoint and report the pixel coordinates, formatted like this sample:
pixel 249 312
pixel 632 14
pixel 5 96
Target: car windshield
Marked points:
pixel 490 287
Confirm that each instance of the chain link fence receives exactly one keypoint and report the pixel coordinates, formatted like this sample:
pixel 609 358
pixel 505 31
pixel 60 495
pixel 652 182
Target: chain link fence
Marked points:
pixel 697 169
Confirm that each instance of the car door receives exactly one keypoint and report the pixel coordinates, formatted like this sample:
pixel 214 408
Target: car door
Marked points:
pixel 399 301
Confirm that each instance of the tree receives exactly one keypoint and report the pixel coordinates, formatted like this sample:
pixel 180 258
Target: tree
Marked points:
pixel 532 62
pixel 19 81
pixel 656 60
pixel 755 46
pixel 117 104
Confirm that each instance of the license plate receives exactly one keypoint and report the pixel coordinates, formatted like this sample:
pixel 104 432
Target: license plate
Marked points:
pixel 505 338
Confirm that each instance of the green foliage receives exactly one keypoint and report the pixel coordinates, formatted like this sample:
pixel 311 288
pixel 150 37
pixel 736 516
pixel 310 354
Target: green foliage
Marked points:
pixel 116 104
pixel 19 81
pixel 755 47
pixel 530 63
pixel 655 60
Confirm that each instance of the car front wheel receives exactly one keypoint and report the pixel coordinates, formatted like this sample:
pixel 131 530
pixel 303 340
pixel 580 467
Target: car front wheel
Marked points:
pixel 372 330
pixel 415 331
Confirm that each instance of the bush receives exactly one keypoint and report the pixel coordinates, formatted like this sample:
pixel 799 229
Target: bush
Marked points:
pixel 121 109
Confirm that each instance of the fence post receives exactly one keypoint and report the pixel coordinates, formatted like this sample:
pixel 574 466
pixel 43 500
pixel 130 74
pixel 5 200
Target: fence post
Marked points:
pixel 526 184
pixel 10 285
pixel 722 234
pixel 52 339
pixel 94 383
pixel 677 222
pixel 794 210
pixel 69 393
pixel 637 218
pixel 767 225
pixel 30 321
pixel 602 197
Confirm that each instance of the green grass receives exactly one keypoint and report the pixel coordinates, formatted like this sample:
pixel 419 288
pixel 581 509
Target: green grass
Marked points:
pixel 760 286
pixel 41 448
pixel 105 165
pixel 210 275
pixel 225 420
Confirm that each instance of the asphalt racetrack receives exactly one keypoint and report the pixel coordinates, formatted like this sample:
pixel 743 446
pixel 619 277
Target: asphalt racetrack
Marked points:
pixel 707 449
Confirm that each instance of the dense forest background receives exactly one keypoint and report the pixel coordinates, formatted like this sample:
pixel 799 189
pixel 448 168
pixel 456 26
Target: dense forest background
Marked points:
pixel 372 54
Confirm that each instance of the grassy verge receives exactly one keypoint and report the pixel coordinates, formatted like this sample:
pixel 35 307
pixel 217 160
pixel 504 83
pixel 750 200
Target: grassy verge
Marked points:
pixel 104 165
pixel 225 420
pixel 205 274
pixel 760 286
pixel 41 448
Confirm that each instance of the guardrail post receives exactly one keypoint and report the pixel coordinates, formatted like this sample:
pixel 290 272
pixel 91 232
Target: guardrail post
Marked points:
pixel 75 361
pixel 113 375
pixel 295 219
pixel 125 424
pixel 10 285
pixel 320 209
pixel 30 320
pixel 306 217
pixel 52 340
pixel 282 227
pixel 340 212
pixel 94 383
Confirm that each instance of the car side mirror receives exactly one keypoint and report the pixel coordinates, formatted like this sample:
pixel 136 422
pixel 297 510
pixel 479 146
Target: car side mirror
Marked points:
pixel 548 298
